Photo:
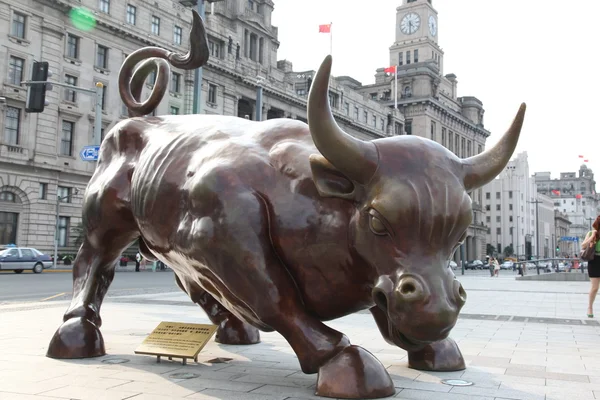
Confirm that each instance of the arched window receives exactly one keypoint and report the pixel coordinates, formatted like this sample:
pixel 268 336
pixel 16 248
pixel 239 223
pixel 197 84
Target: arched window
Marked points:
pixel 8 196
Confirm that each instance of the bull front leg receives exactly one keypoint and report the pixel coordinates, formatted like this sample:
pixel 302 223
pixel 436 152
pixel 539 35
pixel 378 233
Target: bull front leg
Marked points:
pixel 231 329
pixel 437 356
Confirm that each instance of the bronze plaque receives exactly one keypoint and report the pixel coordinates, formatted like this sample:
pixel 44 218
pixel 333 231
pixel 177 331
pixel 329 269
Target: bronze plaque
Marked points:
pixel 177 339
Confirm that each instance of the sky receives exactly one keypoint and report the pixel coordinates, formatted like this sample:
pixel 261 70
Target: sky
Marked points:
pixel 543 53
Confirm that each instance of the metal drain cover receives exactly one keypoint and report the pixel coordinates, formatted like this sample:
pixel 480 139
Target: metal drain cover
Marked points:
pixel 115 361
pixel 456 382
pixel 183 375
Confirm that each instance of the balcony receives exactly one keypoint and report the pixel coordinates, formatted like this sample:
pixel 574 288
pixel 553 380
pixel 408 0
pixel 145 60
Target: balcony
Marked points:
pixel 12 152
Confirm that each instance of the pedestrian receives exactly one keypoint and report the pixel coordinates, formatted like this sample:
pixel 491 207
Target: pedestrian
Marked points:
pixel 496 267
pixel 490 265
pixel 592 238
pixel 138 259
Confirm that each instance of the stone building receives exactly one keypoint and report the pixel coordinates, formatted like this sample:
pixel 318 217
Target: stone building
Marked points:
pixel 562 229
pixel 39 153
pixel 429 100
pixel 510 213
pixel 573 194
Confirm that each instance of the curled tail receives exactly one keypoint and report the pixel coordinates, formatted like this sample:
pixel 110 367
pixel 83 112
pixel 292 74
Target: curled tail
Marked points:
pixel 132 78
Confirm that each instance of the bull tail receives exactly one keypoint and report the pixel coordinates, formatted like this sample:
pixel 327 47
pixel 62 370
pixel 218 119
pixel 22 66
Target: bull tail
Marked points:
pixel 132 78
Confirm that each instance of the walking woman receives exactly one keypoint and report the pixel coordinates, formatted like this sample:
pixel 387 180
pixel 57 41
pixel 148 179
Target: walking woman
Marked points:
pixel 592 239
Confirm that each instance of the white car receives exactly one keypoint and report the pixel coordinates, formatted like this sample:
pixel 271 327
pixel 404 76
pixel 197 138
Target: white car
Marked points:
pixel 453 265
pixel 507 265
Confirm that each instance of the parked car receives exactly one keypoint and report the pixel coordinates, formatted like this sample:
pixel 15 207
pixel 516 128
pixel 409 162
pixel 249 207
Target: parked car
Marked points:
pixel 19 259
pixel 453 265
pixel 507 265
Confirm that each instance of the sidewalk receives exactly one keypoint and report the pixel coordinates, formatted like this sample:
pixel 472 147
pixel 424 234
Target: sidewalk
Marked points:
pixel 507 358
pixel 130 267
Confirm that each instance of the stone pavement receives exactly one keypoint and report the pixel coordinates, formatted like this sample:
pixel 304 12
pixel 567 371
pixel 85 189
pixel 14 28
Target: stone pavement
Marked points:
pixel 521 340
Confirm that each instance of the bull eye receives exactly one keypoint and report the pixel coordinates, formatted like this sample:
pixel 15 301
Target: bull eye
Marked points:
pixel 377 227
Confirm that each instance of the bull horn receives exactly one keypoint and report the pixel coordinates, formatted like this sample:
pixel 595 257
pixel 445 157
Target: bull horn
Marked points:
pixel 355 158
pixel 483 168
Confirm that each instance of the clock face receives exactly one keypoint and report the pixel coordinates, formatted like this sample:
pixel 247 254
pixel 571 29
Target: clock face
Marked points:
pixel 410 23
pixel 432 25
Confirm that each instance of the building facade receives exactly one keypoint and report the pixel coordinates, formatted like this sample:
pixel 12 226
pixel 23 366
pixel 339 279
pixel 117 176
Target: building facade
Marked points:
pixel 39 153
pixel 510 208
pixel 562 228
pixel 573 194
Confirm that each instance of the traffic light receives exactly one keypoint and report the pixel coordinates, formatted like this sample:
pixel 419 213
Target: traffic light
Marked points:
pixel 557 249
pixel 36 92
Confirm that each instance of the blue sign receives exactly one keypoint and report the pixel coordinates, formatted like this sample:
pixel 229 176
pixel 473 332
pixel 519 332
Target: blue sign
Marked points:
pixel 569 238
pixel 89 153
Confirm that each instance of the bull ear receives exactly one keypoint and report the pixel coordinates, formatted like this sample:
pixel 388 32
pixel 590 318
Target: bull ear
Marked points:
pixel 329 180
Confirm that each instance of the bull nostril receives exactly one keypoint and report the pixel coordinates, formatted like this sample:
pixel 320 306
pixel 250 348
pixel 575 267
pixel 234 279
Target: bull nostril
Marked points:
pixel 407 289
pixel 410 289
pixel 380 300
pixel 462 295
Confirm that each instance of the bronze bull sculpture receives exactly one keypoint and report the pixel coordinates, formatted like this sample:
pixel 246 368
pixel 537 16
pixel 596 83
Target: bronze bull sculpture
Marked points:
pixel 279 226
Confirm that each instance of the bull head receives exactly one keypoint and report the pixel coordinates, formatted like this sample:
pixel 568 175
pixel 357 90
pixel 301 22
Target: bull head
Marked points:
pixel 412 211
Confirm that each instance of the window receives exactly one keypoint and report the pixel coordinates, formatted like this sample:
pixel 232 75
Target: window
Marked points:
pixel 18 25
pixel 155 25
pixel 400 58
pixel 487 195
pixel 43 191
pixel 72 46
pixel 103 96
pixel 64 193
pixel 346 108
pixel 8 197
pixel 497 207
pixel 498 218
pixel 510 207
pixel 366 116
pixel 498 232
pixel 66 141
pixel 177 33
pixel 408 57
pixel 488 219
pixel 416 54
pixel 174 110
pixel 104 6
pixel 450 141
pixel 15 70
pixel 444 137
pixel 175 82
pixel 408 127
pixel 63 231
pixel 131 14
pixel 70 95
pixel 497 195
pixel 301 92
pixel 12 125
pixel 479 149
pixel 102 57
pixel 463 153
pixel 510 196
pixel 214 49
pixel 456 144
pixel 8 227
pixel 469 149
pixel 356 113
pixel 487 207
pixel 433 131
pixel 510 219
pixel 212 93
pixel 374 120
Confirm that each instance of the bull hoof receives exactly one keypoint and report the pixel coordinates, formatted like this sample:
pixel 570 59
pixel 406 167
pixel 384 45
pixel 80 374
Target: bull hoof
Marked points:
pixel 234 331
pixel 354 373
pixel 76 338
pixel 438 356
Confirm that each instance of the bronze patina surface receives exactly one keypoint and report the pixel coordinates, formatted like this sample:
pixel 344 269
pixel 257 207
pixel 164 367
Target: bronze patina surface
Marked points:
pixel 279 226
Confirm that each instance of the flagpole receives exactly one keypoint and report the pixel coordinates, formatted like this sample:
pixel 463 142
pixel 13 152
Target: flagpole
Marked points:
pixel 396 86
pixel 331 39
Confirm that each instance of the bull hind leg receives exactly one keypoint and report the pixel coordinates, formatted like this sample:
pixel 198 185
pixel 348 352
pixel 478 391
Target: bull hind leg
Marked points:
pixel 231 329
pixel 110 229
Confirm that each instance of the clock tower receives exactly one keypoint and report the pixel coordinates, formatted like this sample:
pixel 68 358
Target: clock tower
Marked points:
pixel 416 34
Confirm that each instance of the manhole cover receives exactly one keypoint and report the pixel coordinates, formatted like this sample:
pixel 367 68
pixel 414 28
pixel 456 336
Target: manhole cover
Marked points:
pixel 456 382
pixel 183 375
pixel 115 361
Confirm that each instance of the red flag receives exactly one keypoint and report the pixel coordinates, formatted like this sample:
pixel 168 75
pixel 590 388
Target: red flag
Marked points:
pixel 325 28
pixel 578 196
pixel 586 160
pixel 390 69
pixel 556 192
pixel 580 156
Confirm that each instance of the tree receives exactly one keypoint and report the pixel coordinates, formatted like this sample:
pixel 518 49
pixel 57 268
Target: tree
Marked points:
pixel 490 250
pixel 508 251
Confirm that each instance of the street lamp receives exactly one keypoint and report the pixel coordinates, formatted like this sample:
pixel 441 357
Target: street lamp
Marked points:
pixel 259 93
pixel 537 234
pixel 58 200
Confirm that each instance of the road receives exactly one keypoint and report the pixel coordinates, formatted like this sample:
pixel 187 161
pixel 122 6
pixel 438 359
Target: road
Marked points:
pixel 58 286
